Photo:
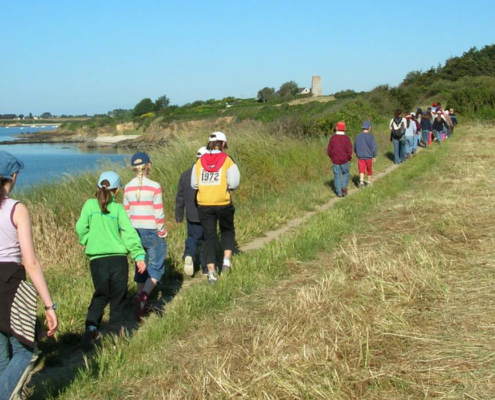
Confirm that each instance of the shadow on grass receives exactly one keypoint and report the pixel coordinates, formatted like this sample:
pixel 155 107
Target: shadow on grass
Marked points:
pixel 62 360
pixel 390 155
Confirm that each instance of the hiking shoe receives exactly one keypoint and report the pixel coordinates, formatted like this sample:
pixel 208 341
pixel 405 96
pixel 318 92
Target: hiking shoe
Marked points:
pixel 88 339
pixel 361 185
pixel 140 307
pixel 188 266
pixel 212 277
pixel 344 192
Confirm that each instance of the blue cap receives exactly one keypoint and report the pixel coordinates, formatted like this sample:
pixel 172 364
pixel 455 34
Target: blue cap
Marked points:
pixel 112 177
pixel 9 165
pixel 140 159
pixel 366 125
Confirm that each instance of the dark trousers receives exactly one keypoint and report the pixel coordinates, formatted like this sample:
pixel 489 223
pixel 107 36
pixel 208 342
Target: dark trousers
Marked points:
pixel 194 240
pixel 209 217
pixel 110 276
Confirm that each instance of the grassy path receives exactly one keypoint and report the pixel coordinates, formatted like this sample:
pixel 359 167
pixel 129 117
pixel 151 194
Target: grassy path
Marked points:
pixel 154 326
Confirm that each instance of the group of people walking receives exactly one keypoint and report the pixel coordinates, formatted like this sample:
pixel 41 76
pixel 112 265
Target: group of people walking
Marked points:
pixel 419 128
pixel 110 231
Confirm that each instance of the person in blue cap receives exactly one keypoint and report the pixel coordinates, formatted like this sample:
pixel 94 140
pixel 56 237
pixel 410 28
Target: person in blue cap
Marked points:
pixel 366 151
pixel 108 235
pixel 18 328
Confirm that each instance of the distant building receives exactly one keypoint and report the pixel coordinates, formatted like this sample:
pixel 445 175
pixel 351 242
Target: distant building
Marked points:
pixel 303 91
pixel 316 89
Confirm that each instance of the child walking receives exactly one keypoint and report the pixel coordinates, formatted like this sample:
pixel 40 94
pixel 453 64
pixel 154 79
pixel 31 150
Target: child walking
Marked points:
pixel 106 231
pixel 144 205
pixel 215 175
pixel 340 152
pixel 186 198
pixel 366 152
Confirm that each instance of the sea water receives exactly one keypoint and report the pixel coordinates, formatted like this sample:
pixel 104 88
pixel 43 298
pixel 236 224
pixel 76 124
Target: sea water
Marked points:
pixel 53 162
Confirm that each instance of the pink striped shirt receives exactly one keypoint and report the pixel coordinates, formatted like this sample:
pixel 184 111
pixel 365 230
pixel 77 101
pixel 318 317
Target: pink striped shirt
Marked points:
pixel 147 213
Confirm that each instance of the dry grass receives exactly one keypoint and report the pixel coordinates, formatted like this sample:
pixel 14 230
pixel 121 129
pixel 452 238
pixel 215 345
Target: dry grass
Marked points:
pixel 403 310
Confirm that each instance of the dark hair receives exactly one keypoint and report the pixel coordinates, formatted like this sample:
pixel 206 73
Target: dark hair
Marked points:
pixel 217 145
pixel 104 196
pixel 3 192
pixel 397 113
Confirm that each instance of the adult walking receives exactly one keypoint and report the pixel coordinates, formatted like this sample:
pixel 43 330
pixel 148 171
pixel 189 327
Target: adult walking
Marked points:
pixel 186 199
pixel 339 150
pixel 19 330
pixel 214 176
pixel 410 135
pixel 397 128
pixel 439 126
pixel 426 128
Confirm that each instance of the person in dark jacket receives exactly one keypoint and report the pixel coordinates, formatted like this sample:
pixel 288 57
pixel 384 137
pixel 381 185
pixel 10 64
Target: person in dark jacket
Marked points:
pixel 440 127
pixel 340 152
pixel 366 151
pixel 426 127
pixel 186 199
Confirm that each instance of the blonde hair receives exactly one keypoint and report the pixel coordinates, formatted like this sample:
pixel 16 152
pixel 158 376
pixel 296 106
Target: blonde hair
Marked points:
pixel 141 171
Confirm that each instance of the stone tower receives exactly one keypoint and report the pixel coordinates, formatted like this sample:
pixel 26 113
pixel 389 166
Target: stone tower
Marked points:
pixel 316 86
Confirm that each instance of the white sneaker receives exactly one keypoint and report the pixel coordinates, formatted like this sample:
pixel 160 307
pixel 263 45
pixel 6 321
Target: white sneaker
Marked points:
pixel 188 266
pixel 212 277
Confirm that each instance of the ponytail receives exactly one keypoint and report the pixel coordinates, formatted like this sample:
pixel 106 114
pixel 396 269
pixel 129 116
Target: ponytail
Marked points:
pixel 3 192
pixel 104 196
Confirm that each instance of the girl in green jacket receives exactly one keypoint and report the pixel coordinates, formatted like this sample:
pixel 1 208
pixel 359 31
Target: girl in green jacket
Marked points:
pixel 106 231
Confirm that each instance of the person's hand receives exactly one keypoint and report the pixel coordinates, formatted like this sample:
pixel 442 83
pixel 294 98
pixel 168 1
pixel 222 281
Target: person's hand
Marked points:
pixel 141 266
pixel 52 321
pixel 373 159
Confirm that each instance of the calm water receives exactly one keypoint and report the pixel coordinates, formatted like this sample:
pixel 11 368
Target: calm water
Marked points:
pixel 46 162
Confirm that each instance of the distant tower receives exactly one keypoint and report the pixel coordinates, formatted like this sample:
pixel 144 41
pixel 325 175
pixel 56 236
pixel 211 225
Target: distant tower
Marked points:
pixel 316 86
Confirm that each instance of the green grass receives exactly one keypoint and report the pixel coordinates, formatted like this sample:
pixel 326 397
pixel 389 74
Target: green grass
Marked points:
pixel 280 170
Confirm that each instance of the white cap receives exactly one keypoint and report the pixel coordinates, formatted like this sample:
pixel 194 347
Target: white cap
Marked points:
pixel 218 136
pixel 446 112
pixel 201 151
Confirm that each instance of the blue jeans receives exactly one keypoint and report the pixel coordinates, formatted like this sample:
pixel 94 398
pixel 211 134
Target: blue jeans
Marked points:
pixel 15 370
pixel 194 241
pixel 156 251
pixel 439 136
pixel 426 136
pixel 341 177
pixel 399 150
pixel 410 144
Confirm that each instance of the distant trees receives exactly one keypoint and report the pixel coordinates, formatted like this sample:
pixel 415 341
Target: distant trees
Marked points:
pixel 266 94
pixel 146 105
pixel 46 115
pixel 288 88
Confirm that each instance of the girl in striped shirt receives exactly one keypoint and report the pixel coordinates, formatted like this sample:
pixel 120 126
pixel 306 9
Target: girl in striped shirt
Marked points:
pixel 144 205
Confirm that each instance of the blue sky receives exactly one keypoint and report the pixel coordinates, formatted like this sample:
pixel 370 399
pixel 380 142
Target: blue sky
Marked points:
pixel 91 56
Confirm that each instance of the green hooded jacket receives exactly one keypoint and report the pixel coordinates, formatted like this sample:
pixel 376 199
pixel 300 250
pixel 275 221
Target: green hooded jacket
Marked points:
pixel 108 234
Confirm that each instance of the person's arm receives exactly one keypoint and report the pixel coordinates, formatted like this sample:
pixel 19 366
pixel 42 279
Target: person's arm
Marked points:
pixel 159 213
pixel 330 148
pixel 194 178
pixel 180 202
pixel 82 226
pixel 349 148
pixel 374 147
pixel 131 240
pixel 32 264
pixel 127 205
pixel 233 177
pixel 390 125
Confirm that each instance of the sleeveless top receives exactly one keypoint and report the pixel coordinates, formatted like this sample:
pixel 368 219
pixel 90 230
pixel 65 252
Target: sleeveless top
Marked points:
pixel 10 251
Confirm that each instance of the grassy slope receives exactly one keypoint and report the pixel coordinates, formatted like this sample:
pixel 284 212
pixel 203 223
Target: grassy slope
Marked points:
pixel 146 364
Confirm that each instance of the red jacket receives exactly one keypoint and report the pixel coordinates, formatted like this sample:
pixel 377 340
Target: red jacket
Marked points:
pixel 339 149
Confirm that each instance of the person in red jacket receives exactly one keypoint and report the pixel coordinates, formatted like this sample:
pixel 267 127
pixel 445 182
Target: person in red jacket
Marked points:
pixel 340 152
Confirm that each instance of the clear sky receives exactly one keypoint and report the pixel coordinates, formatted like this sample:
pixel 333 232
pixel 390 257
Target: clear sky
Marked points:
pixel 76 57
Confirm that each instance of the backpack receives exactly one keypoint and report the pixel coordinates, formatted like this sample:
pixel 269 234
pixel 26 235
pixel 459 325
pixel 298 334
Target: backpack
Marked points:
pixel 398 133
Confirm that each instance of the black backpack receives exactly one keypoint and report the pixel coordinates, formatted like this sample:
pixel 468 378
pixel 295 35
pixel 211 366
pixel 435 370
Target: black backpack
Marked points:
pixel 398 133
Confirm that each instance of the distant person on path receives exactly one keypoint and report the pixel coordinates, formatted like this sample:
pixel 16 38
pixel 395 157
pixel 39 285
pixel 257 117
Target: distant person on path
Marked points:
pixel 340 152
pixel 453 117
pixel 439 126
pixel 397 136
pixel 106 231
pixel 19 331
pixel 366 151
pixel 144 205
pixel 186 198
pixel 410 134
pixel 426 128
pixel 214 176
